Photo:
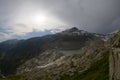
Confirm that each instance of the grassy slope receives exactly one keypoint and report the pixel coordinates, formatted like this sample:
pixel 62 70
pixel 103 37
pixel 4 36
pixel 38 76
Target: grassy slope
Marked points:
pixel 98 71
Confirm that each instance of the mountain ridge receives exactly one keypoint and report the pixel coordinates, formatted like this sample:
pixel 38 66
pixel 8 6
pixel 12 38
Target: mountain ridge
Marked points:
pixel 64 53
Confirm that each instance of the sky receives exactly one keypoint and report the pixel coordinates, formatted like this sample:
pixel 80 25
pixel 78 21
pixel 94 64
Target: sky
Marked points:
pixel 23 19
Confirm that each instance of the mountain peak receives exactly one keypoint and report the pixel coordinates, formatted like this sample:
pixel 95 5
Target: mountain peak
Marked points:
pixel 73 29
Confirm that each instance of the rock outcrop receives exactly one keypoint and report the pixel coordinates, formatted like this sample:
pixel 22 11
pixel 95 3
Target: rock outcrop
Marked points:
pixel 115 64
pixel 115 57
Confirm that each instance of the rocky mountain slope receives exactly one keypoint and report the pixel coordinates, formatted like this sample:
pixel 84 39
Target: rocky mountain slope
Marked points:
pixel 115 57
pixel 69 55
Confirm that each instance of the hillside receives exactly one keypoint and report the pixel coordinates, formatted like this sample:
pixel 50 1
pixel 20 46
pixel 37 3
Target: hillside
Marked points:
pixel 72 54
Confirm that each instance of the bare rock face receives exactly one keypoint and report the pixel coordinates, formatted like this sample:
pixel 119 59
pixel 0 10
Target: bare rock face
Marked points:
pixel 115 64
pixel 115 57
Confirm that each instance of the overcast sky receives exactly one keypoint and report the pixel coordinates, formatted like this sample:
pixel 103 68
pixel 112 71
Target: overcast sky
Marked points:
pixel 29 18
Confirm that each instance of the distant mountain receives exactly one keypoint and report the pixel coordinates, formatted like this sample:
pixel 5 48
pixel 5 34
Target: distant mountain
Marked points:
pixel 66 55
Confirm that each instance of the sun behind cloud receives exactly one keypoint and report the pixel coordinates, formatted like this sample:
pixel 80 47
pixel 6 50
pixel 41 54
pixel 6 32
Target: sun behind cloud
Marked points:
pixel 39 18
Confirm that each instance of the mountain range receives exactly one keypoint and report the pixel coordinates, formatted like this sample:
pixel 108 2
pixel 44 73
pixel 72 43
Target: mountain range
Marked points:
pixel 72 54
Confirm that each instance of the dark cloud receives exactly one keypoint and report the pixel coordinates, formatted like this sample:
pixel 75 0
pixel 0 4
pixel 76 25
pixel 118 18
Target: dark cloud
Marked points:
pixel 91 15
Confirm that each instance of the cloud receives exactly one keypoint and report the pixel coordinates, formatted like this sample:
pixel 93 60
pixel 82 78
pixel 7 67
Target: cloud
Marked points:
pixel 91 15
pixel 21 17
pixel 4 36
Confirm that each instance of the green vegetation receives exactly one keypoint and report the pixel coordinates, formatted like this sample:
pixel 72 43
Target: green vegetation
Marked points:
pixel 15 77
pixel 98 71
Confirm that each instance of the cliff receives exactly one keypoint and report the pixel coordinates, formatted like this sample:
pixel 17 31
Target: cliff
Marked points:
pixel 114 58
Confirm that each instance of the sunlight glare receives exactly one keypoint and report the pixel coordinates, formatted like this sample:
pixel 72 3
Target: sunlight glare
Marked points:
pixel 39 18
